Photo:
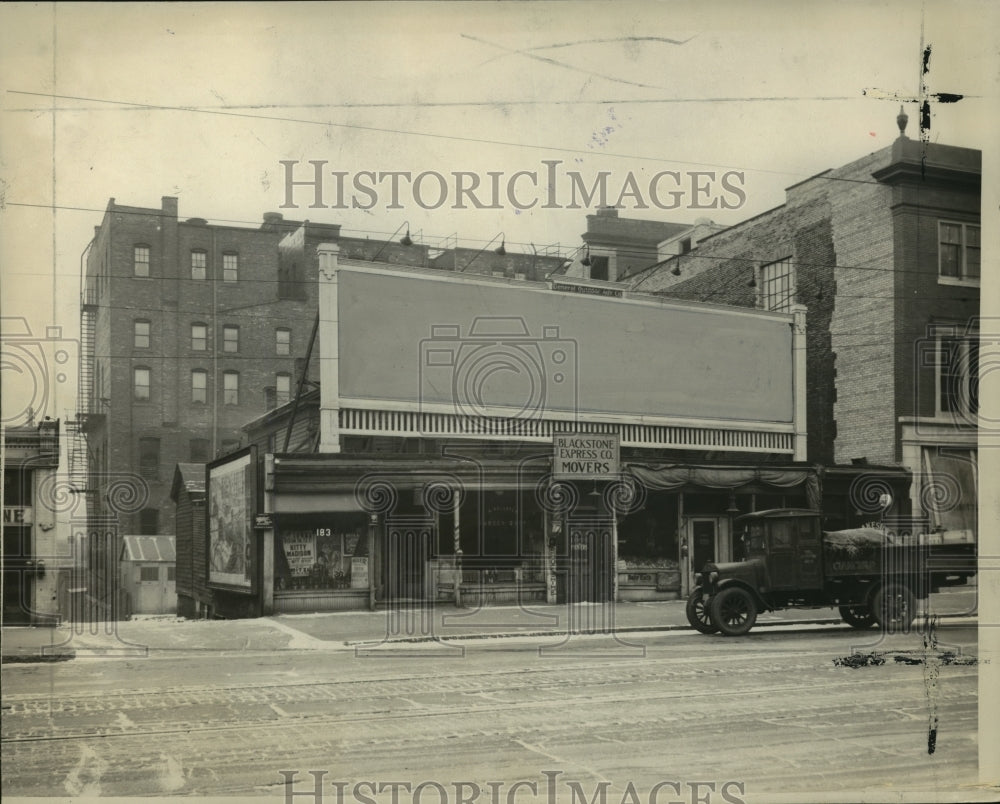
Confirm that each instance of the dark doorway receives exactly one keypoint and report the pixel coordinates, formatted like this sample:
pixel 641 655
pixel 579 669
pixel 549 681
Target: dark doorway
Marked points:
pixel 703 543
pixel 591 563
pixel 407 550
pixel 17 580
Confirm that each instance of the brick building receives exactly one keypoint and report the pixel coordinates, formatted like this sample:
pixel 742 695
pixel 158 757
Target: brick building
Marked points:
pixel 884 254
pixel 424 466
pixel 191 329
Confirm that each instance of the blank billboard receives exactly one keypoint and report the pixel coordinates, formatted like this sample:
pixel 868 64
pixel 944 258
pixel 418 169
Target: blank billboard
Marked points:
pixel 481 347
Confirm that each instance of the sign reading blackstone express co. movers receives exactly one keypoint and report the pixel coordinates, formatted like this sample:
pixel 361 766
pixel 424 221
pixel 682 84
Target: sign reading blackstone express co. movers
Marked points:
pixel 230 514
pixel 584 455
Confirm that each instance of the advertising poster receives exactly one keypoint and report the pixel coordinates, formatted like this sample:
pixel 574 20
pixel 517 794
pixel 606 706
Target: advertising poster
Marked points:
pixel 230 508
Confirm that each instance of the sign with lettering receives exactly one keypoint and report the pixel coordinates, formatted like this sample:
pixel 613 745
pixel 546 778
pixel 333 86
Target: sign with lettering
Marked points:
pixel 359 572
pixel 300 551
pixel 17 516
pixel 588 290
pixel 263 521
pixel 585 455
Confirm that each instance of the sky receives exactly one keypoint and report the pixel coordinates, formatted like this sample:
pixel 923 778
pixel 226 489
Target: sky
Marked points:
pixel 206 101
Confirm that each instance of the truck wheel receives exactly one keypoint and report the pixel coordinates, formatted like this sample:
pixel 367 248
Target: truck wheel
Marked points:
pixel 697 613
pixel 857 616
pixel 733 611
pixel 894 608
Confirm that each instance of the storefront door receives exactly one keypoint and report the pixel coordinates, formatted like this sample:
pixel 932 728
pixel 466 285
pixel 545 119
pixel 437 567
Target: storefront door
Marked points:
pixel 708 540
pixel 406 555
pixel 17 579
pixel 590 563
pixel 704 539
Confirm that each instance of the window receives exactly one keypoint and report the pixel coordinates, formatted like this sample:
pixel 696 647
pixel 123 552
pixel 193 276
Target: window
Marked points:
pixel 950 491
pixel 140 384
pixel 199 337
pixel 599 268
pixel 141 261
pixel 199 450
pixel 958 375
pixel 171 573
pixel 282 341
pixel 149 573
pixel 149 458
pixel 199 263
pixel 230 339
pixel 777 285
pixel 282 389
pixel 231 388
pixel 149 521
pixel 958 252
pixel 140 337
pixel 230 267
pixel 199 386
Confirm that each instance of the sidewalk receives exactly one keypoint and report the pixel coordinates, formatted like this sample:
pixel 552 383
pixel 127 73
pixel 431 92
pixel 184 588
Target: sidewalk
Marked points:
pixel 149 636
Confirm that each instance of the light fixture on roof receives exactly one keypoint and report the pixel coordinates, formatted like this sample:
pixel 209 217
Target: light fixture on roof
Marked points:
pixel 499 250
pixel 405 240
pixel 676 270
pixel 586 257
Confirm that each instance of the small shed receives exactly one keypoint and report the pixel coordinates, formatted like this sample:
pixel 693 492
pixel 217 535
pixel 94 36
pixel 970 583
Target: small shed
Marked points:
pixel 194 598
pixel 147 567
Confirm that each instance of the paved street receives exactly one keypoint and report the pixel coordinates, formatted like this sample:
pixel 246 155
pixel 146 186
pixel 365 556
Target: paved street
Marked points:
pixel 771 713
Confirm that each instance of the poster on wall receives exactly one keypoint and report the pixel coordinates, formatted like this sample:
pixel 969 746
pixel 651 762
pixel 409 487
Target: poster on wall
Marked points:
pixel 230 492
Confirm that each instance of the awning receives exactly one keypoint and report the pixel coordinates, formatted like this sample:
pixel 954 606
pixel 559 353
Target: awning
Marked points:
pixel 674 476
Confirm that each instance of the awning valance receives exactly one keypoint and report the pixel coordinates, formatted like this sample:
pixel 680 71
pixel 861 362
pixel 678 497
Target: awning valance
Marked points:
pixel 669 477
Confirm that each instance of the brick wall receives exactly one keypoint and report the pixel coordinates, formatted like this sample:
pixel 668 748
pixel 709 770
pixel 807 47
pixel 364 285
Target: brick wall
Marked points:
pixel 720 270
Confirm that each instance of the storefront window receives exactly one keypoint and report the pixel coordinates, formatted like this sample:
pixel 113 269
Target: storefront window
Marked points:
pixel 501 537
pixel 322 551
pixel 648 538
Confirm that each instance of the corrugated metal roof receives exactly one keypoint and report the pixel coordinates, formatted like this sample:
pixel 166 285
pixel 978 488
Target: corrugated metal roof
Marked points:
pixel 149 548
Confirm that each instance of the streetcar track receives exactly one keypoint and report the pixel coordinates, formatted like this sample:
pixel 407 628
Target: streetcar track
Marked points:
pixel 738 658
pixel 297 721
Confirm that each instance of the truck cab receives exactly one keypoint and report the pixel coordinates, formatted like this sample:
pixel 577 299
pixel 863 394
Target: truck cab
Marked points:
pixel 787 543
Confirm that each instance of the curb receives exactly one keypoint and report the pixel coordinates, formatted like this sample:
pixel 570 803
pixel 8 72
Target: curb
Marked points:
pixel 592 632
pixel 63 656
pixel 639 629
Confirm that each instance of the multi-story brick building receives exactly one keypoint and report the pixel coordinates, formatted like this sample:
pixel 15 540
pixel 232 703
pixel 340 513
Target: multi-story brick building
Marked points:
pixel 190 330
pixel 884 254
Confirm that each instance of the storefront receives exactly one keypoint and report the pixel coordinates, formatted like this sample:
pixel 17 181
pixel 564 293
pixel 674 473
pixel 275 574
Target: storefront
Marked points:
pixel 32 554
pixel 353 532
pixel 686 519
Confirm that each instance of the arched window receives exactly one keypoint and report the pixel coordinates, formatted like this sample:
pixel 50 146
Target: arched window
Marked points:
pixel 199 337
pixel 231 388
pixel 199 264
pixel 199 386
pixel 141 382
pixel 140 333
pixel 230 267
